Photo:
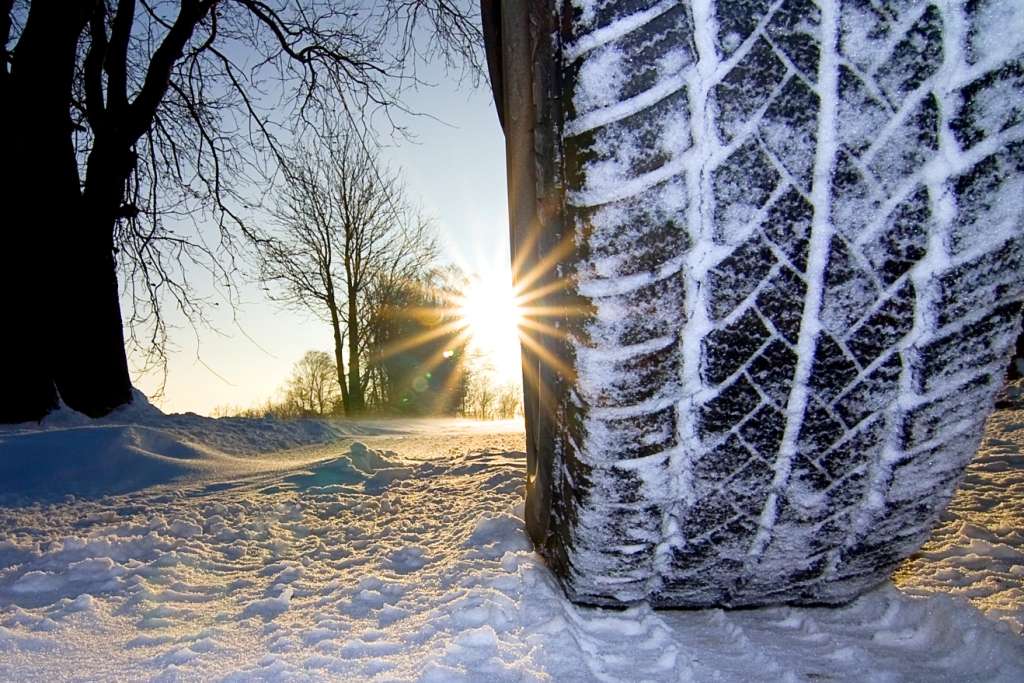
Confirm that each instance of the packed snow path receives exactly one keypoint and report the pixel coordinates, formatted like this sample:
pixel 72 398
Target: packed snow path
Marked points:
pixel 402 556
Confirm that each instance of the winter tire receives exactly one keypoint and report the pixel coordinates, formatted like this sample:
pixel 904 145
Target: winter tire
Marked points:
pixel 792 283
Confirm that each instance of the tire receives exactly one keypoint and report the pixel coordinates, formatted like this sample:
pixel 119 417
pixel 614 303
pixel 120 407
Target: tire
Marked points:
pixel 1016 370
pixel 797 272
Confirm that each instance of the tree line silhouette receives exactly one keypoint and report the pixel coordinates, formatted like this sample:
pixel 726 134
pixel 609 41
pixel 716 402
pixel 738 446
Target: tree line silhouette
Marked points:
pixel 454 388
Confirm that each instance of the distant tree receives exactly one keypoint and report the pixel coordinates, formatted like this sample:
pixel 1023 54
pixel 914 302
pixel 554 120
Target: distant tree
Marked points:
pixel 485 398
pixel 267 408
pixel 414 347
pixel 344 232
pixel 509 401
pixel 313 384
pixel 481 400
pixel 132 133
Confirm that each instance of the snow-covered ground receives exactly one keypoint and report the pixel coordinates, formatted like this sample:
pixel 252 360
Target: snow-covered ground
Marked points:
pixel 150 547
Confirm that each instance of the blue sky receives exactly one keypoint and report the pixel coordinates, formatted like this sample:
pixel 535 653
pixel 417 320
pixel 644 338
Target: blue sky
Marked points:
pixel 455 169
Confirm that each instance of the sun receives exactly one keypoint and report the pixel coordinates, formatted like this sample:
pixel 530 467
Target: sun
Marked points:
pixel 491 312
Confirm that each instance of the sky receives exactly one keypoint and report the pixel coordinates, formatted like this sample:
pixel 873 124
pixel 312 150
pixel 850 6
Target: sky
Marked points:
pixel 454 168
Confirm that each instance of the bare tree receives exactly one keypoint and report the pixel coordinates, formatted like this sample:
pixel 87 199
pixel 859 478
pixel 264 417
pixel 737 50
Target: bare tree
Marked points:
pixel 509 401
pixel 344 231
pixel 415 343
pixel 130 126
pixel 481 398
pixel 312 386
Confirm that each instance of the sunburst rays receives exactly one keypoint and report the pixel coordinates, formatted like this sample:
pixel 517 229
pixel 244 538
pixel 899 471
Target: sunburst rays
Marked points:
pixel 492 324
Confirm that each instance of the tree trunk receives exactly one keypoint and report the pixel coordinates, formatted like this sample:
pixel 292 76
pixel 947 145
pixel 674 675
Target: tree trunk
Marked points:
pixel 41 200
pixel 92 371
pixel 339 354
pixel 355 385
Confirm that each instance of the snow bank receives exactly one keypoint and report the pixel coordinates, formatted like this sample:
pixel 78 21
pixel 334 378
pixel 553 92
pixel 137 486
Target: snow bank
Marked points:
pixel 94 460
pixel 138 446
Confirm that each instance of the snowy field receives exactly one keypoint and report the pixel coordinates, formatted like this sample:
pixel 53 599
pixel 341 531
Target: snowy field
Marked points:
pixel 151 547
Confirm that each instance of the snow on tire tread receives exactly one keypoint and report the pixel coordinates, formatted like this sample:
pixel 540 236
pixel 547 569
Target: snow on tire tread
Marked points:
pixel 798 241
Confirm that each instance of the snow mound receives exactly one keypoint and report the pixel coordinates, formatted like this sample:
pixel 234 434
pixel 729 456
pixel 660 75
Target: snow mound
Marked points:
pixel 138 446
pixel 229 435
pixel 138 411
pixel 94 460
pixel 373 470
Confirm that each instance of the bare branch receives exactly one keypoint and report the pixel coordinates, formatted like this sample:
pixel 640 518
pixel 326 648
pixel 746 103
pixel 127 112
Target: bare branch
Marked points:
pixel 143 107
pixel 93 66
pixel 115 61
